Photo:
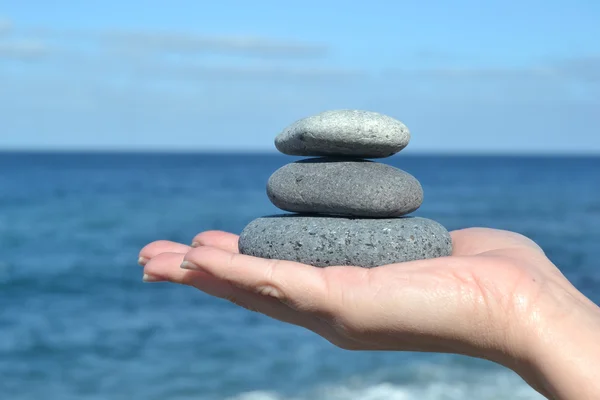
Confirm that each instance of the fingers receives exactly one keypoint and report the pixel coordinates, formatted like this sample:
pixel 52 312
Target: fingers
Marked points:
pixel 222 240
pixel 166 267
pixel 219 239
pixel 161 246
pixel 301 287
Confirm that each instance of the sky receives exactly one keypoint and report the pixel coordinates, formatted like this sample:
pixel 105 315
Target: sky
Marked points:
pixel 464 76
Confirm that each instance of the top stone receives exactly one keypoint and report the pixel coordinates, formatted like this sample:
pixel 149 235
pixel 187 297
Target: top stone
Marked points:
pixel 353 133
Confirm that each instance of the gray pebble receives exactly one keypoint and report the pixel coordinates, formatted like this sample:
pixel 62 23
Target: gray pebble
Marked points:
pixel 355 133
pixel 343 187
pixel 326 241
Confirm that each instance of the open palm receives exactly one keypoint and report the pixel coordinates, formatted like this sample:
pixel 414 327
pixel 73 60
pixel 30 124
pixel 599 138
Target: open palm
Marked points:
pixel 473 302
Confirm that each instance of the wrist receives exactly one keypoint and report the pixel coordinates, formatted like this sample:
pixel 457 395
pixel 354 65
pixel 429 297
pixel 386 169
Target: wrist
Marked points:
pixel 562 358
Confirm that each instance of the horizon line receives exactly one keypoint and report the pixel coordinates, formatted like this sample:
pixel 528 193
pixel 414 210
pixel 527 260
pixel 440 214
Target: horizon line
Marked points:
pixel 107 151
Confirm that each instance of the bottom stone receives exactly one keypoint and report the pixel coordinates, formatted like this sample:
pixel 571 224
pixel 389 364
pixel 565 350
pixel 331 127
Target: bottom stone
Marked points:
pixel 326 241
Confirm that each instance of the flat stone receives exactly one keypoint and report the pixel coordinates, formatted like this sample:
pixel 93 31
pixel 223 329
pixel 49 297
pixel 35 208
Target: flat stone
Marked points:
pixel 326 241
pixel 344 187
pixel 356 133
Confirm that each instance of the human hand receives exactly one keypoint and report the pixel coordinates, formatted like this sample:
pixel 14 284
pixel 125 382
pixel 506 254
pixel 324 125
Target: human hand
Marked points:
pixel 496 297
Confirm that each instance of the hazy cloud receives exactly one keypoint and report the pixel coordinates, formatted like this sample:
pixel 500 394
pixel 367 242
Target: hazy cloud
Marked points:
pixel 489 73
pixel 212 116
pixel 268 73
pixel 584 68
pixel 578 69
pixel 5 25
pixel 105 53
pixel 189 43
pixel 435 56
pixel 133 54
pixel 22 49
pixel 471 73
pixel 161 90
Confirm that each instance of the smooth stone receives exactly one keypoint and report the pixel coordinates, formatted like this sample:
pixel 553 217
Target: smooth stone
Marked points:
pixel 356 133
pixel 342 187
pixel 326 241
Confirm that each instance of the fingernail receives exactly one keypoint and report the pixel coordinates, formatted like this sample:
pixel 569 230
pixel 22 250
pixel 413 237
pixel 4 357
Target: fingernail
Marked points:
pixel 151 278
pixel 142 261
pixel 191 266
pixel 195 244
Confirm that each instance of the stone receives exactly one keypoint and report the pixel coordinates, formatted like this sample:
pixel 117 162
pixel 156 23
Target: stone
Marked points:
pixel 324 241
pixel 344 187
pixel 355 133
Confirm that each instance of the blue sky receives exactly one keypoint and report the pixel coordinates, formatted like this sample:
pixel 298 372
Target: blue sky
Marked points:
pixel 464 76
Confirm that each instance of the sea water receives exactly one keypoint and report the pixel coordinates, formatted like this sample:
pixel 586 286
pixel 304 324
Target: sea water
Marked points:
pixel 76 321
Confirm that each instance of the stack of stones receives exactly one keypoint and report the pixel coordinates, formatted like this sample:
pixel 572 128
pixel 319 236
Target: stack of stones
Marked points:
pixel 346 210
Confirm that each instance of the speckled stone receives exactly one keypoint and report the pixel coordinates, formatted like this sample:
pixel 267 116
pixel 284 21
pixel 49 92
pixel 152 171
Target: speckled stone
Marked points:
pixel 356 133
pixel 343 187
pixel 326 241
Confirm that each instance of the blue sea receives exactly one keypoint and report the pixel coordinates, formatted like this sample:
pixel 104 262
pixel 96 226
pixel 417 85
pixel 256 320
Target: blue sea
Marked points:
pixel 76 321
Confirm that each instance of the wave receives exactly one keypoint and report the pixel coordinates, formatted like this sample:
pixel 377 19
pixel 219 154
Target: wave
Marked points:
pixel 446 385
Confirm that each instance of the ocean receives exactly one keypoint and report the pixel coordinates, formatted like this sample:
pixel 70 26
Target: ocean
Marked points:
pixel 76 321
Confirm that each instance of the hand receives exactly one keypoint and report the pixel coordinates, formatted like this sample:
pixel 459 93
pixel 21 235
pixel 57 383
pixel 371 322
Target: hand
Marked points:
pixel 496 297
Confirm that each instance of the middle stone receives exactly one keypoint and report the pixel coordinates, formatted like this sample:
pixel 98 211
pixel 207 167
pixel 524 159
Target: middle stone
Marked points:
pixel 333 186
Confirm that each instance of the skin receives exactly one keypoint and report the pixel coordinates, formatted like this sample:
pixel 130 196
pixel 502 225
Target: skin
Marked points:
pixel 498 297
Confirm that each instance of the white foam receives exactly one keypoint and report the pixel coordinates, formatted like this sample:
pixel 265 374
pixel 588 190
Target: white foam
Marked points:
pixel 496 385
